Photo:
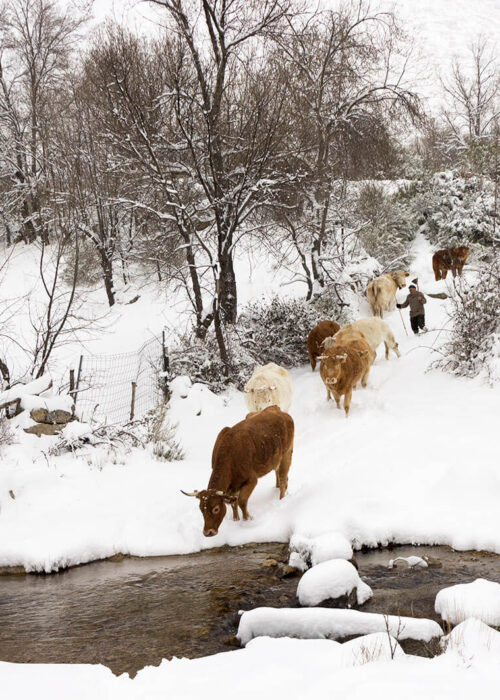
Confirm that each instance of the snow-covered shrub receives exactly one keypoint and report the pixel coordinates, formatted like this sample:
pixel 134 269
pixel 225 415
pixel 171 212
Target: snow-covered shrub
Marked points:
pixel 474 345
pixel 388 225
pixel 277 330
pixel 161 435
pixel 454 210
pixel 201 360
pixel 6 434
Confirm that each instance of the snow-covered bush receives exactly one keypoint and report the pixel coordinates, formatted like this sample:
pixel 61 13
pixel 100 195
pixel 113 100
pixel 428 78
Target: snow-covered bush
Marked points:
pixel 160 434
pixel 6 434
pixel 201 360
pixel 276 331
pixel 454 210
pixel 474 345
pixel 388 224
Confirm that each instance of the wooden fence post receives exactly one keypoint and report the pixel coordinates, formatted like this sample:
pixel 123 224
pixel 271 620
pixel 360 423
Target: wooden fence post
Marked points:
pixel 132 403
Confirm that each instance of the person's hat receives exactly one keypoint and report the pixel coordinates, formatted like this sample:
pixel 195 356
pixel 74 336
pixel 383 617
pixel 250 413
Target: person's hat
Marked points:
pixel 411 285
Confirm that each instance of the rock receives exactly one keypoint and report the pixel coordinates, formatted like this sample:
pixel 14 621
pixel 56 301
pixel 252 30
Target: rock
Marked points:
pixel 287 571
pixel 117 557
pixel 12 570
pixel 269 562
pixel 42 415
pixel 44 429
pixel 132 301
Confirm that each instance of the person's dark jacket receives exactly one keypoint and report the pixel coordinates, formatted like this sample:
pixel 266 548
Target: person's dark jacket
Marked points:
pixel 416 303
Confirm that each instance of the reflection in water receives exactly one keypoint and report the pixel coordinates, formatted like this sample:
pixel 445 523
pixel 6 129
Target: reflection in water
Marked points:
pixel 136 612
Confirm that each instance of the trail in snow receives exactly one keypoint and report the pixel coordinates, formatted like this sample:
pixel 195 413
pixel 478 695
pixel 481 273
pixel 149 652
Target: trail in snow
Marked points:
pixel 414 462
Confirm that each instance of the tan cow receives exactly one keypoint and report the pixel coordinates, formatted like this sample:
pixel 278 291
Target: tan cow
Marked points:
pixel 376 331
pixel 341 368
pixel 352 337
pixel 257 445
pixel 269 385
pixel 315 339
pixel 381 291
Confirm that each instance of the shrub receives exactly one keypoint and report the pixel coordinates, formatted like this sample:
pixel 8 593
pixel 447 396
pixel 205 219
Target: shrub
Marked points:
pixel 201 361
pixel 474 345
pixel 276 331
pixel 389 224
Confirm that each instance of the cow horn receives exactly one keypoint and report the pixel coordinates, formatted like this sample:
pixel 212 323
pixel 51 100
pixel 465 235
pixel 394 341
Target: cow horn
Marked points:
pixel 273 388
pixel 322 357
pixel 194 493
pixel 220 493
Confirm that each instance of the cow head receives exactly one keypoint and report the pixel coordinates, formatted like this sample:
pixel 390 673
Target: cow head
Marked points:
pixel 262 393
pixel 213 508
pixel 333 366
pixel 461 252
pixel 399 277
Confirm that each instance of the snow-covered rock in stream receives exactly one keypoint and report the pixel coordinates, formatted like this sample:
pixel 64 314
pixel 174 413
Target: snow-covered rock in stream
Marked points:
pixel 480 599
pixel 314 550
pixel 411 562
pixel 332 580
pixel 325 623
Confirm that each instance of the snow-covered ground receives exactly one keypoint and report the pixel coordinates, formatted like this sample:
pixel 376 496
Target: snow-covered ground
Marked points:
pixel 373 666
pixel 415 462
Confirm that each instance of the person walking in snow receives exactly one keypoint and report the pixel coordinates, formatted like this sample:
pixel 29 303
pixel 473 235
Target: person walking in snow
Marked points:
pixel 415 300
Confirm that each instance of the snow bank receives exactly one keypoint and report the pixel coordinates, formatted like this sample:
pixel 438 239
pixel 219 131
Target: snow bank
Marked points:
pixel 331 579
pixel 473 637
pixel 480 599
pixel 379 646
pixel 323 623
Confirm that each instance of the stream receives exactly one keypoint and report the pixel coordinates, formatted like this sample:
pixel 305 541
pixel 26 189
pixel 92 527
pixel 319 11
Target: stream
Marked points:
pixel 134 612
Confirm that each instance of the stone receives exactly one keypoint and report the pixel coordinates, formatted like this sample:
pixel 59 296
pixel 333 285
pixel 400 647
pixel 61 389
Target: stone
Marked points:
pixel 287 571
pixel 41 415
pixel 44 429
pixel 269 562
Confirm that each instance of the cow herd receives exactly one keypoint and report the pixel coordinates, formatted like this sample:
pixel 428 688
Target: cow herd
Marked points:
pixel 263 441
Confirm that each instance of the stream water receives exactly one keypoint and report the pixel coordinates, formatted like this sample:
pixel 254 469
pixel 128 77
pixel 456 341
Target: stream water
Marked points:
pixel 135 612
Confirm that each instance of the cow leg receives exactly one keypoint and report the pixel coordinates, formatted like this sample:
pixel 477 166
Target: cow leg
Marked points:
pixel 386 350
pixel 364 378
pixel 312 360
pixel 234 506
pixel 327 394
pixel 337 399
pixel 282 472
pixel 244 495
pixel 347 401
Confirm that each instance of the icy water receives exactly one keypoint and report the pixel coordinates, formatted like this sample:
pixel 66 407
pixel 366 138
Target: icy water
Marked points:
pixel 135 612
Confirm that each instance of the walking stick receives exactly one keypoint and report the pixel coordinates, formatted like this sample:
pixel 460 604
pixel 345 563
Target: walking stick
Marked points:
pixel 402 321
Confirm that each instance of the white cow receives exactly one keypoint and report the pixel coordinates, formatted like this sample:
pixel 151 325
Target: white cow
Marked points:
pixel 375 331
pixel 269 385
pixel 381 292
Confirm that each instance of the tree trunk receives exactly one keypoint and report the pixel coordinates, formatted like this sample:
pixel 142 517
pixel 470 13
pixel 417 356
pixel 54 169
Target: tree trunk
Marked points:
pixel 228 298
pixel 107 273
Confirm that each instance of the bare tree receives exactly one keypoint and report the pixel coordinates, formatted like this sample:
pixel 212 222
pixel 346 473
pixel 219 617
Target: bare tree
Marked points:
pixel 36 41
pixel 473 94
pixel 345 70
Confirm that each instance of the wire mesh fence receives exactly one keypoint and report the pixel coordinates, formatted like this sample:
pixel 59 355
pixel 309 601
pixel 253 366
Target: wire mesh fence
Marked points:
pixel 118 388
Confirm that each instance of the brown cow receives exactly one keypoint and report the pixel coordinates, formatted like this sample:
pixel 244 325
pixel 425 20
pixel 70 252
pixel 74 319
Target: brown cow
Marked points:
pixel 381 291
pixel 255 446
pixel 315 339
pixel 341 369
pixel 449 259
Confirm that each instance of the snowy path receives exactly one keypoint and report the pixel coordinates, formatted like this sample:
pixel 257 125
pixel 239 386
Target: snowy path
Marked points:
pixel 415 462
